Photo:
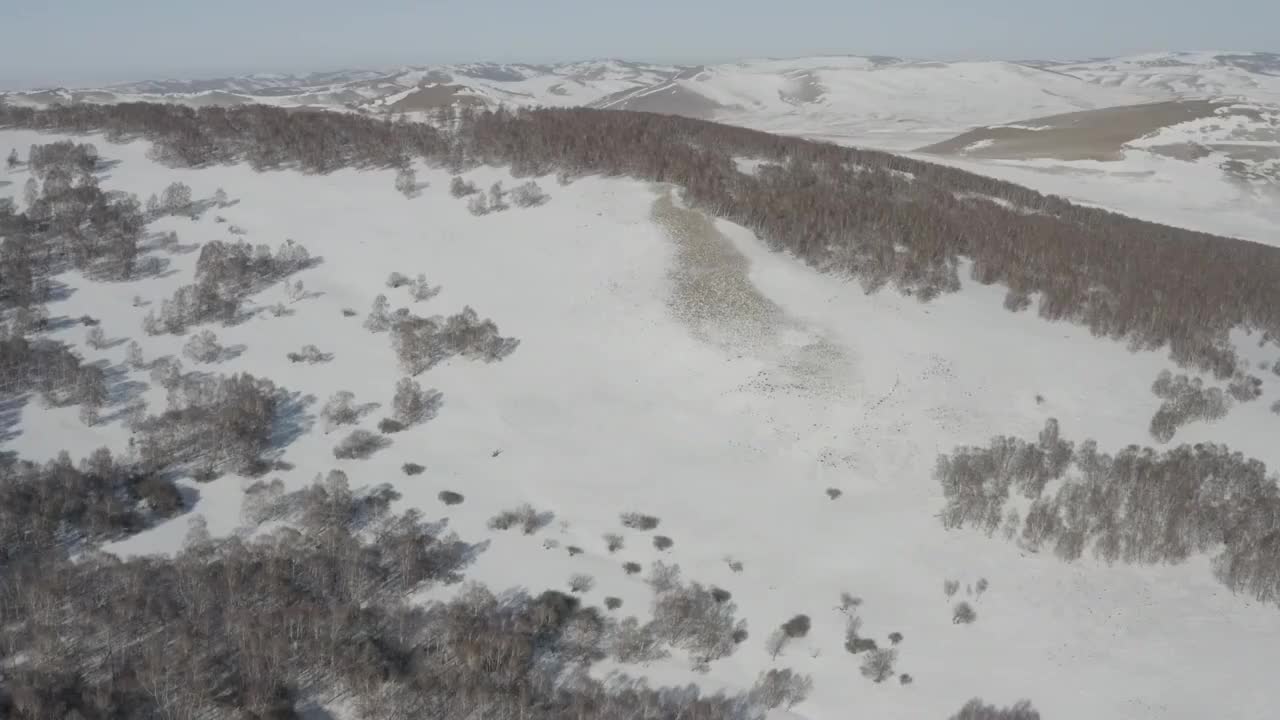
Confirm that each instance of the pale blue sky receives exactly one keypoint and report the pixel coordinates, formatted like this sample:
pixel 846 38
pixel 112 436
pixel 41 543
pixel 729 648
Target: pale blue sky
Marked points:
pixel 78 42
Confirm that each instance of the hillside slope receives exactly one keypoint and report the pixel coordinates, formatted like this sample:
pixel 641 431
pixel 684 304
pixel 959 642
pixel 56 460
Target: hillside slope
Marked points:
pixel 675 365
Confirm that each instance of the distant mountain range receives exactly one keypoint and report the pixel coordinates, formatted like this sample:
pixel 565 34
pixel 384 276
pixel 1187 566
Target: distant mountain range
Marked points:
pixel 877 101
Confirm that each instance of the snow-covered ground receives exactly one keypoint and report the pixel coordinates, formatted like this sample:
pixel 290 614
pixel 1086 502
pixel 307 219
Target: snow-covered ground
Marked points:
pixel 727 425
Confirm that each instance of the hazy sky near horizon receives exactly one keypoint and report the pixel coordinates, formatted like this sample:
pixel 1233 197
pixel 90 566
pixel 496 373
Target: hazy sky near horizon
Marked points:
pixel 86 42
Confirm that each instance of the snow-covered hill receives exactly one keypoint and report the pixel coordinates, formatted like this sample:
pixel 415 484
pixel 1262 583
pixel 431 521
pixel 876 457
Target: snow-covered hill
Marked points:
pixel 672 365
pixel 1252 76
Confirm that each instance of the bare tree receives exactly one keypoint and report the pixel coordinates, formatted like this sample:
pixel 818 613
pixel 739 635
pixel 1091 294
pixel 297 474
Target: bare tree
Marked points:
pixel 407 182
pixel 340 410
pixel 412 404
pixel 478 205
pixel 497 198
pixel 379 319
pixel 878 664
pixel 133 356
pixel 96 338
pixel 950 587
pixel 203 347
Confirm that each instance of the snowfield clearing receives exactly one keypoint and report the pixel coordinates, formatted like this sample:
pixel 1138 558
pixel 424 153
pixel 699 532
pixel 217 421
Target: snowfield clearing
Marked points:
pixel 672 365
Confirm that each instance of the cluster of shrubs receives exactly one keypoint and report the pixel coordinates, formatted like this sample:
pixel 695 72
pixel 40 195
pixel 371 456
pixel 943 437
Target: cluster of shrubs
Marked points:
pixel 524 517
pixel 1187 400
pixel 226 273
pixel 1136 506
pixel 211 421
pixel 68 221
pixel 528 194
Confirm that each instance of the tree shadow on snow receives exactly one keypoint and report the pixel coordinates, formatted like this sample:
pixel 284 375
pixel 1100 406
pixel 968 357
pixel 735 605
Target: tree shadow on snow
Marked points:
pixel 11 416
pixel 292 420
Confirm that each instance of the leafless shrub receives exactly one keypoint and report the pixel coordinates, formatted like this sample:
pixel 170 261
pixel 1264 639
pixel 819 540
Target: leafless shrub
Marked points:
pixel 359 445
pixel 834 493
pixel 895 637
pixel 395 280
pixel 348 312
pixel 631 568
pixel 421 290
pixel 963 613
pixel 528 194
pixel 612 603
pixel 580 583
pixel 529 520
pixel 639 521
pixel 905 679
pixel 412 469
pixel 461 188
pixel 662 542
pixel 389 426
pixel 975 709
pixel 797 627
pixel 613 542
pixel 950 587
pixel 981 586
pixel 848 602
pixel 310 354
pixel 448 497
pixel 573 550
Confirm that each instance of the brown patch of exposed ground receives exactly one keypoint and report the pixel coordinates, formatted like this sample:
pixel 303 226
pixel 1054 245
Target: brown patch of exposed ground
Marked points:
pixel 434 96
pixel 1085 135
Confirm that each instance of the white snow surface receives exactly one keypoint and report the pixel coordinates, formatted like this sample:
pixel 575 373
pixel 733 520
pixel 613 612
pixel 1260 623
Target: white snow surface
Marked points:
pixel 611 404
